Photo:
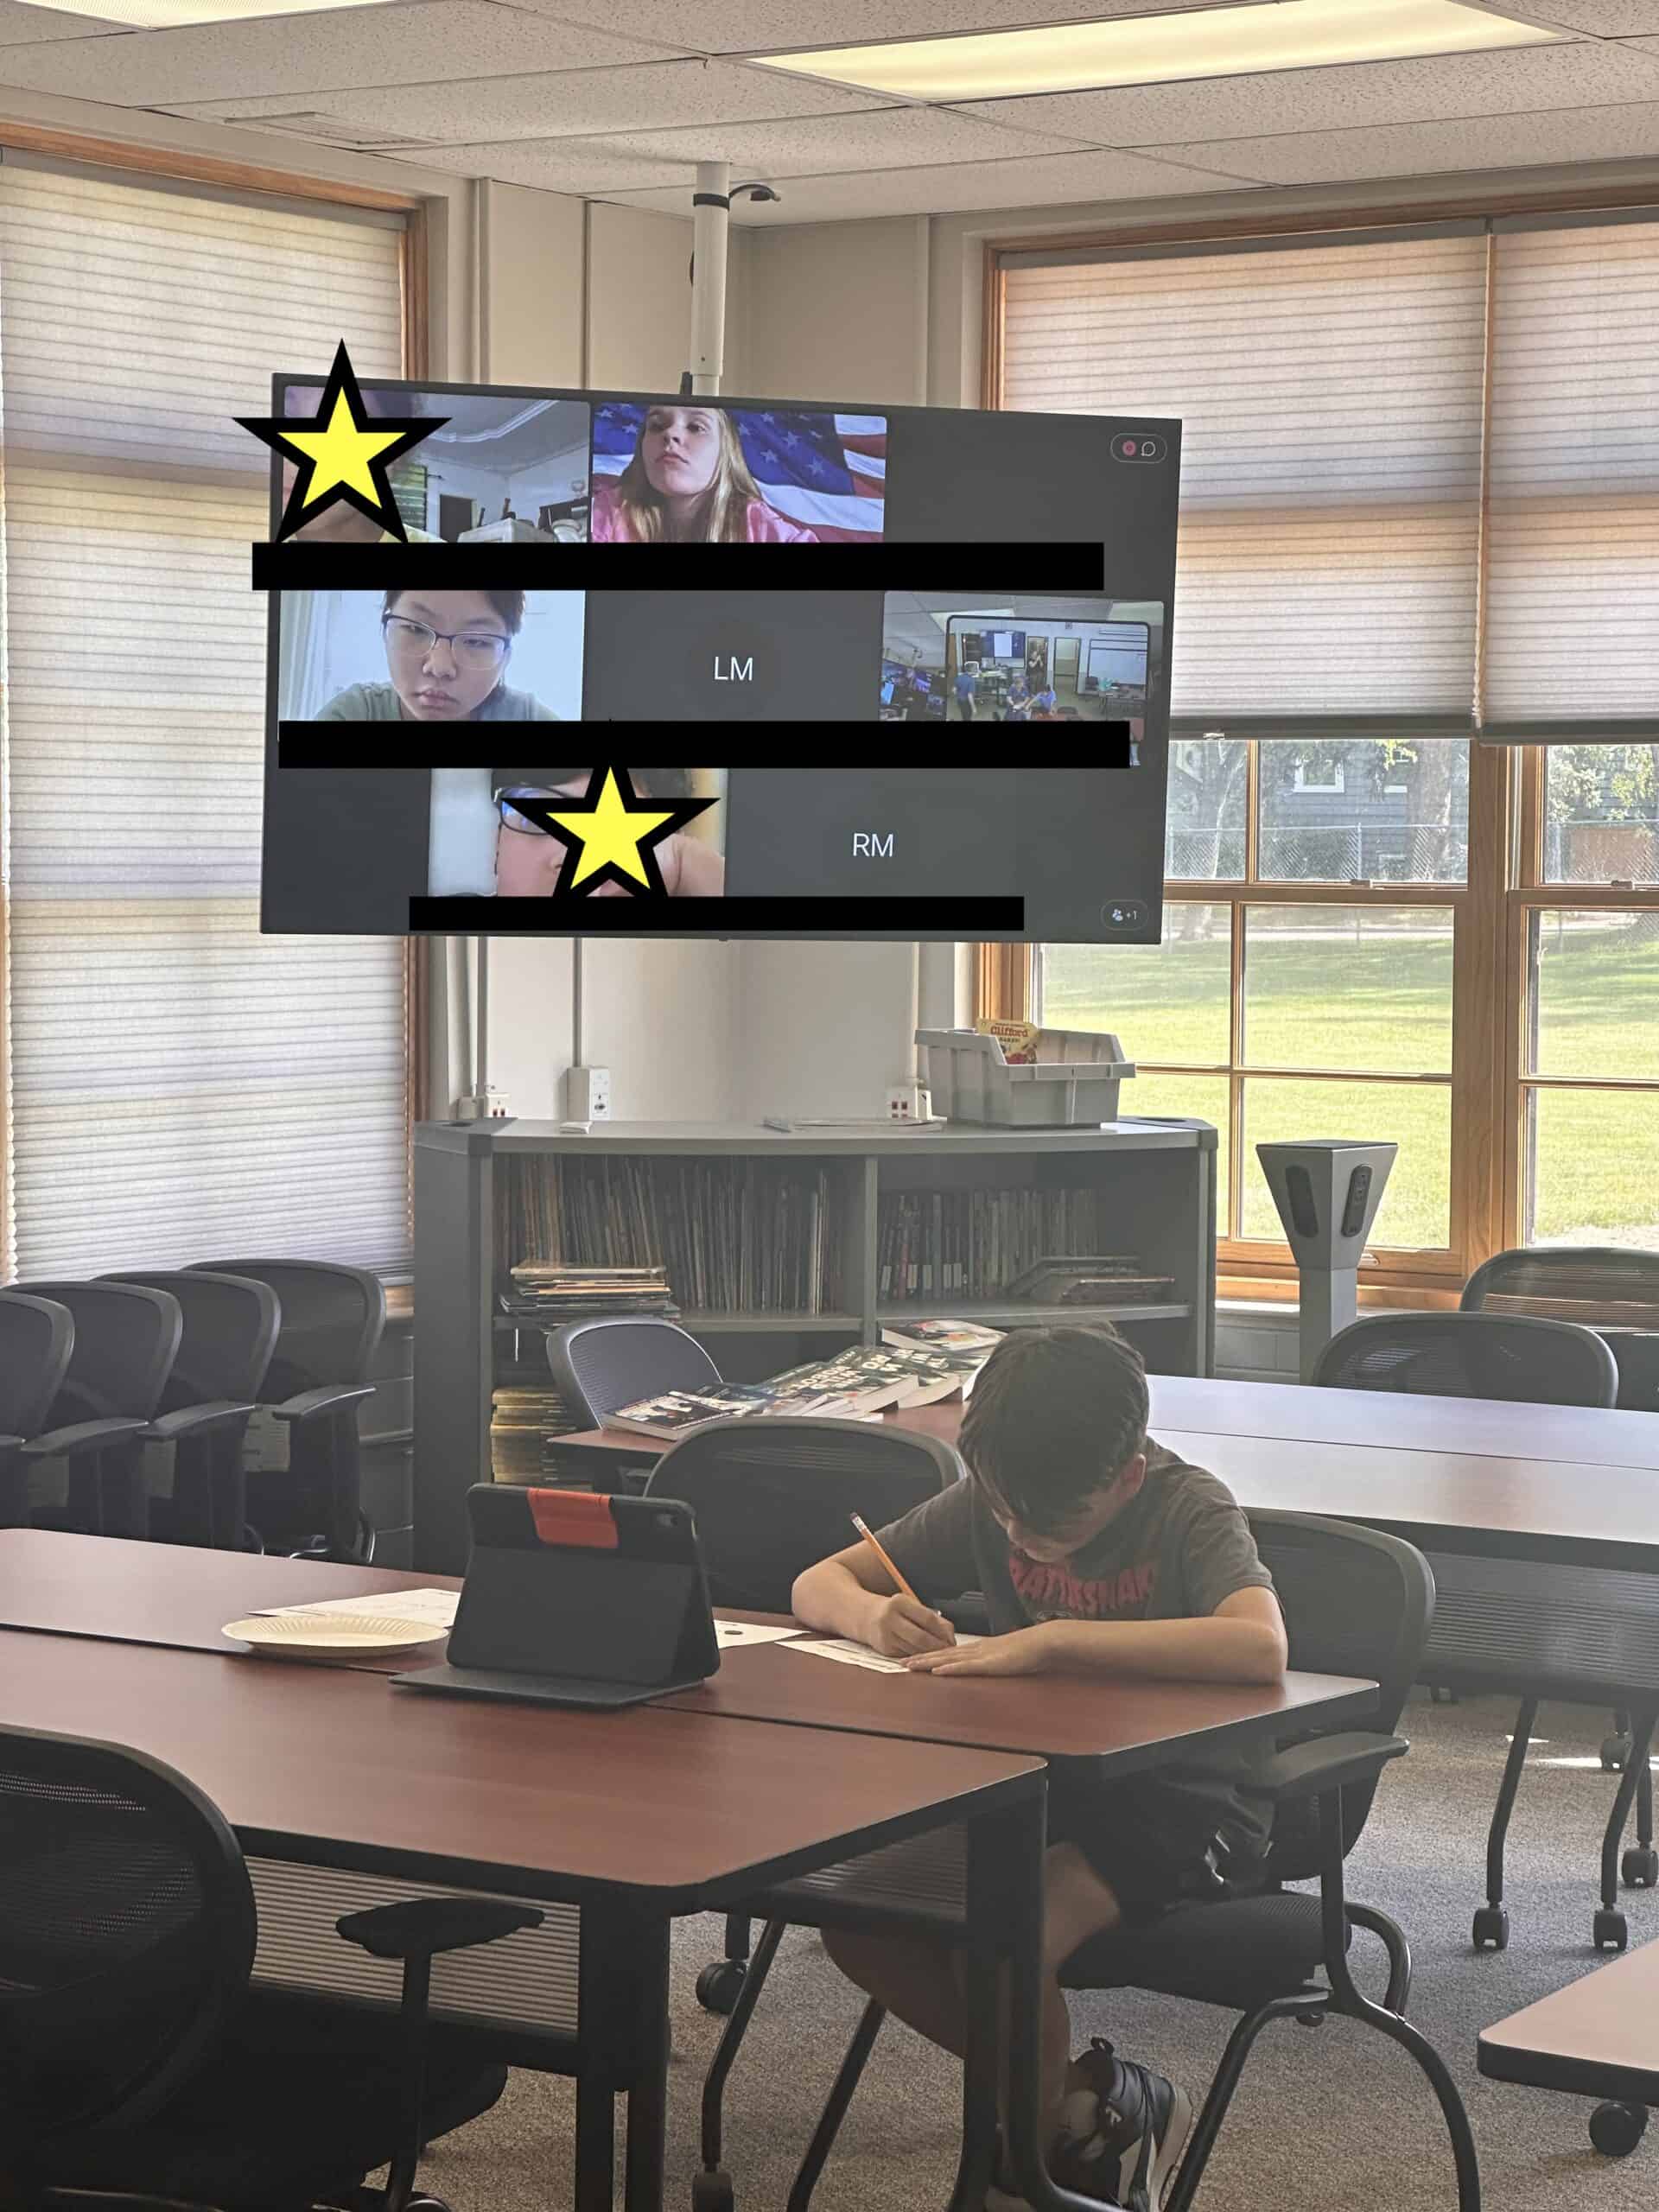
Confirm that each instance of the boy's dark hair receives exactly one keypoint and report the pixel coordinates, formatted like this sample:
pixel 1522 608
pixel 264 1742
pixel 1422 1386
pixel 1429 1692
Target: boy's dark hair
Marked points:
pixel 1054 1414
pixel 509 605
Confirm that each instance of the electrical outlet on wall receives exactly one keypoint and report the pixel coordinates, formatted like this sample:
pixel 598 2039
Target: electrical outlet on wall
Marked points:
pixel 588 1094
pixel 909 1101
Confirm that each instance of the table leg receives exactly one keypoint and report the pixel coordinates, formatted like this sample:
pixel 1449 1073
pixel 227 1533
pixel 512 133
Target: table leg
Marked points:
pixel 601 2038
pixel 1005 1878
pixel 648 2092
pixel 982 2058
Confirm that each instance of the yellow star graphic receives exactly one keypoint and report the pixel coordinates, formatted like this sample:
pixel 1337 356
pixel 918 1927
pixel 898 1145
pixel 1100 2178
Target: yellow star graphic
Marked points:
pixel 610 833
pixel 341 453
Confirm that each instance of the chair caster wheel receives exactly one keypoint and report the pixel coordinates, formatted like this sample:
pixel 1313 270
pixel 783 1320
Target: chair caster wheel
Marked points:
pixel 720 1984
pixel 1639 1867
pixel 1617 2129
pixel 1310 2020
pixel 1438 1694
pixel 713 2192
pixel 1491 1929
pixel 1615 1750
pixel 1611 1930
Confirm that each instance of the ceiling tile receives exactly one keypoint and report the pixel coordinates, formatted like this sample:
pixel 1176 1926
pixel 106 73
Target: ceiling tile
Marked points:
pixel 1600 134
pixel 1518 81
pixel 21 26
pixel 652 95
pixel 880 138
pixel 407 42
pixel 1601 18
pixel 1052 180
pixel 774 26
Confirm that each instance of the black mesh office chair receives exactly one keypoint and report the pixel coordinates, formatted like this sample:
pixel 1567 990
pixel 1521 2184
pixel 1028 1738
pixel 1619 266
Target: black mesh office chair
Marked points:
pixel 1470 1355
pixel 1609 1288
pixel 37 1337
pixel 230 1325
pixel 1503 1624
pixel 772 1498
pixel 1356 1602
pixel 134 2064
pixel 332 1318
pixel 126 1339
pixel 615 1359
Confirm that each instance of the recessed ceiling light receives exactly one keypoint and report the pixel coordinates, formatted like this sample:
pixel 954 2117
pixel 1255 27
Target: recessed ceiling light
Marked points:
pixel 175 15
pixel 1155 50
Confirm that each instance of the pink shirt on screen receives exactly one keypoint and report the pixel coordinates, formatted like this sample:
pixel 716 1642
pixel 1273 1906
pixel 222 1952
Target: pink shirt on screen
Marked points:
pixel 766 526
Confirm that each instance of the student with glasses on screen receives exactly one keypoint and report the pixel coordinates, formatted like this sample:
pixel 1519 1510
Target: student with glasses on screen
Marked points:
pixel 528 862
pixel 447 653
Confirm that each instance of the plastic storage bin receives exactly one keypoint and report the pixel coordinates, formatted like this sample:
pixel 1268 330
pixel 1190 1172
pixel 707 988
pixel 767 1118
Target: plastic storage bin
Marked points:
pixel 1072 1084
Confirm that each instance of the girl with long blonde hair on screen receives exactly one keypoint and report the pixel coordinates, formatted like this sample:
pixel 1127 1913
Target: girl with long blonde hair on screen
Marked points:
pixel 688 483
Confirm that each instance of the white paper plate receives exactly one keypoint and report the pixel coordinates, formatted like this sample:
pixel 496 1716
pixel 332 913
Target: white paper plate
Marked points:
pixel 332 1635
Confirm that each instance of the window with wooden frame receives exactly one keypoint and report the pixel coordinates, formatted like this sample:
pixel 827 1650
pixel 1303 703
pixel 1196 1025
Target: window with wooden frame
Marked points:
pixel 176 1083
pixel 1413 848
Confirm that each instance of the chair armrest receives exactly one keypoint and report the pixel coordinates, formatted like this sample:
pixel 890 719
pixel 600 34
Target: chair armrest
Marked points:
pixel 11 1443
pixel 196 1421
pixel 1328 1763
pixel 80 1436
pixel 322 1400
pixel 423 1926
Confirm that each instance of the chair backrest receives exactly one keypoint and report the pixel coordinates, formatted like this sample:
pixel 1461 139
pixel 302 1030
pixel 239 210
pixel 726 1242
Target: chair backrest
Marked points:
pixel 230 1325
pixel 332 1318
pixel 1471 1356
pixel 1607 1288
pixel 127 1931
pixel 126 1339
pixel 1355 1602
pixel 600 1365
pixel 773 1495
pixel 37 1336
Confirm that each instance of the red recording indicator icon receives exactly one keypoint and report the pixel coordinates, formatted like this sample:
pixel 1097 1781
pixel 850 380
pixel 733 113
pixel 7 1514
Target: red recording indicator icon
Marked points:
pixel 1139 445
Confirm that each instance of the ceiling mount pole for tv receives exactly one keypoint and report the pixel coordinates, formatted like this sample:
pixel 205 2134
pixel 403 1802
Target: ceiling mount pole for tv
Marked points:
pixel 711 217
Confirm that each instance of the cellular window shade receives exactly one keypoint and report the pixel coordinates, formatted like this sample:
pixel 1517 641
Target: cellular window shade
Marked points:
pixel 1332 397
pixel 1572 622
pixel 178 1085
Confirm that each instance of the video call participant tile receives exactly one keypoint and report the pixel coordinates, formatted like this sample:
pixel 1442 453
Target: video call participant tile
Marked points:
pixel 719 656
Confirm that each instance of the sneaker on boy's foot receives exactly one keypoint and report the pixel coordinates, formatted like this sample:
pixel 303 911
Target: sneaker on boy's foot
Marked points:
pixel 1124 2129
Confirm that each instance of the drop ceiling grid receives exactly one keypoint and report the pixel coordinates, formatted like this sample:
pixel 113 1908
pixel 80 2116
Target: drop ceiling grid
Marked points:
pixel 21 25
pixel 409 41
pixel 1630 132
pixel 778 26
pixel 642 95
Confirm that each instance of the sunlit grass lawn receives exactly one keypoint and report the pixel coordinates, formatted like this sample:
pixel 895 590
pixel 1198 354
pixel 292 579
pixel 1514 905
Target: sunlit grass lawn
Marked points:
pixel 1384 1003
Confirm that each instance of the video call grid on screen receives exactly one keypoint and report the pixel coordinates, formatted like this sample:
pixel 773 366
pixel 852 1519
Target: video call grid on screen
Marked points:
pixel 346 849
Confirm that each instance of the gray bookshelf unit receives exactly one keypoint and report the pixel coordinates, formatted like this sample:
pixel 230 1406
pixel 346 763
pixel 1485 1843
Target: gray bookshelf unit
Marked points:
pixel 1156 1185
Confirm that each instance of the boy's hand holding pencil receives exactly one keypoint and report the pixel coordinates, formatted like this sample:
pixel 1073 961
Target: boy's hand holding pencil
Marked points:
pixel 902 1626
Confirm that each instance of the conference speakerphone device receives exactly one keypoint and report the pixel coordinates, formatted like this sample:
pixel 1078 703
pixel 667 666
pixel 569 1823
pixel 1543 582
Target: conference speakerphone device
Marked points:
pixel 576 1599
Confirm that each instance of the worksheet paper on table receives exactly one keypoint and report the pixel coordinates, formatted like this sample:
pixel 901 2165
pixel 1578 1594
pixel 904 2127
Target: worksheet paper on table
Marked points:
pixel 434 1608
pixel 729 1634
pixel 848 1654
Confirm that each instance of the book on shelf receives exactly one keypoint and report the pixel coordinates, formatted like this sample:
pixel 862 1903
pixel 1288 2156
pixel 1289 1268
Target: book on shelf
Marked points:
pixel 525 1415
pixel 729 1236
pixel 940 1246
pixel 1105 1279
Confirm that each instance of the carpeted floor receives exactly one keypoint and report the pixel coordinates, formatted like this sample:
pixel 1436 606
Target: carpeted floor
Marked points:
pixel 1326 2119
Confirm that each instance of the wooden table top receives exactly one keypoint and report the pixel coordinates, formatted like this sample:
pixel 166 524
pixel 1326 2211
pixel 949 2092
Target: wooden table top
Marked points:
pixel 1128 1726
pixel 333 1767
pixel 1597 2038
pixel 176 1597
pixel 132 1592
pixel 1497 1479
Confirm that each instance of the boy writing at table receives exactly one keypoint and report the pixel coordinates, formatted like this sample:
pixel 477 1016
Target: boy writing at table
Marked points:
pixel 1098 1554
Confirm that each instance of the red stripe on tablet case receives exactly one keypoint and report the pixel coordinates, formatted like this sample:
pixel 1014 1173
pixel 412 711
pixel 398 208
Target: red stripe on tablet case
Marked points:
pixel 573 1516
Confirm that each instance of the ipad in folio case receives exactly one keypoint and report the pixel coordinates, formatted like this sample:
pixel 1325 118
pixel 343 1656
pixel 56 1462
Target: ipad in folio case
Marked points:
pixel 574 1598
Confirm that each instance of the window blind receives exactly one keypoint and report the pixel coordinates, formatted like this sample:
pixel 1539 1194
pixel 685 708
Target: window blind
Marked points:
pixel 1333 395
pixel 177 1085
pixel 1572 627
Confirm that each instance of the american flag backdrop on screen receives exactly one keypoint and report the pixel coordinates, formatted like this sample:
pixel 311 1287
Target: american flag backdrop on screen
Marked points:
pixel 827 473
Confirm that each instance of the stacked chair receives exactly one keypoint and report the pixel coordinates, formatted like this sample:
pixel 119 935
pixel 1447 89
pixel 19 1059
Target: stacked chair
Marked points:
pixel 36 1338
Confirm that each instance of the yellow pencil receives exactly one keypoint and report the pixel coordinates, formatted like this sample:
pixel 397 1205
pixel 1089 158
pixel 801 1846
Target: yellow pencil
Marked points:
pixel 874 1546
